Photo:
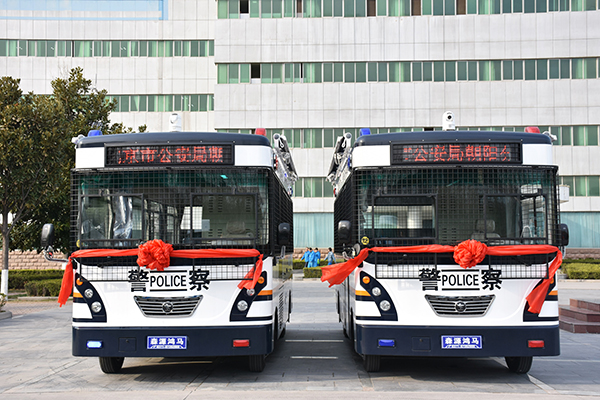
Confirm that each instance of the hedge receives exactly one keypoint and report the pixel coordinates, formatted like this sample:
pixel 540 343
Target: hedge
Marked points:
pixel 314 272
pixel 581 261
pixel 581 270
pixel 18 278
pixel 47 287
pixel 299 264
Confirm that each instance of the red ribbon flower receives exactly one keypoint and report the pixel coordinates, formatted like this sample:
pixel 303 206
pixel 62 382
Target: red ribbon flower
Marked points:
pixel 469 253
pixel 155 254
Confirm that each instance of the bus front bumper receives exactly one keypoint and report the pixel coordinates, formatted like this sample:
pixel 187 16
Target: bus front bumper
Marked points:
pixel 437 341
pixel 173 341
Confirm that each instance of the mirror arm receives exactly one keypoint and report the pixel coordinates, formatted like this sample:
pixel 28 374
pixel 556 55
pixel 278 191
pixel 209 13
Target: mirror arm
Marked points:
pixel 49 256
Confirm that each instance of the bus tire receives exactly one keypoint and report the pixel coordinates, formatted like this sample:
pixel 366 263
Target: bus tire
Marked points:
pixel 519 365
pixel 256 363
pixel 111 365
pixel 372 362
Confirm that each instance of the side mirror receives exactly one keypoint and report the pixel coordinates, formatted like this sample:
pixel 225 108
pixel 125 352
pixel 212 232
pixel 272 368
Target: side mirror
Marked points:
pixel 564 234
pixel 283 234
pixel 47 239
pixel 344 234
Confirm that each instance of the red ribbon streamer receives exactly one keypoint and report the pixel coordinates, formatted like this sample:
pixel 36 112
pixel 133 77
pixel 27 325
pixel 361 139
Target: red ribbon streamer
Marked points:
pixel 156 254
pixel 467 254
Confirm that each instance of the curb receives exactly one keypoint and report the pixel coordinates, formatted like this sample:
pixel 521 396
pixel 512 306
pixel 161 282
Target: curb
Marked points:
pixel 5 315
pixel 36 298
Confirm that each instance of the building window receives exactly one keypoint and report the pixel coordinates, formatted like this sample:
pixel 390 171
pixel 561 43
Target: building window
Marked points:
pixel 372 8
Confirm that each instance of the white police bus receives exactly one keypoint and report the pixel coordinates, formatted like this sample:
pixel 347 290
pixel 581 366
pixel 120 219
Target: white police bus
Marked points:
pixel 184 244
pixel 453 243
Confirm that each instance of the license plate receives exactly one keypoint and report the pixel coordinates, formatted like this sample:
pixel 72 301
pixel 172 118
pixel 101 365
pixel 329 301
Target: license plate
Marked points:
pixel 167 342
pixel 461 342
pixel 460 279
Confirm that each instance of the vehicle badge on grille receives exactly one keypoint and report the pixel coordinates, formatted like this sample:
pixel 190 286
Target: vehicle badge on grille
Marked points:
pixel 460 307
pixel 167 307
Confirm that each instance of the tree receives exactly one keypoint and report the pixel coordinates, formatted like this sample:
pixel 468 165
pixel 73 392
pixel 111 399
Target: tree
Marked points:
pixel 36 156
pixel 31 154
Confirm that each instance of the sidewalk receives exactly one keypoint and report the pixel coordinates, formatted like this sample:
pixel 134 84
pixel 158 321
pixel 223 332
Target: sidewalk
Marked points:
pixel 29 305
pixel 588 290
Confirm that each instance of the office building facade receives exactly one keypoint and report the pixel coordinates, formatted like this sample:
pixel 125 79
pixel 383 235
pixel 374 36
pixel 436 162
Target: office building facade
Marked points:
pixel 314 69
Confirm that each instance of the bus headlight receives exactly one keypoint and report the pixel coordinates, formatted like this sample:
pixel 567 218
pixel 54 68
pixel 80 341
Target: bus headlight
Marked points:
pixel 89 293
pixel 385 305
pixel 96 307
pixel 250 292
pixel 376 291
pixel 242 305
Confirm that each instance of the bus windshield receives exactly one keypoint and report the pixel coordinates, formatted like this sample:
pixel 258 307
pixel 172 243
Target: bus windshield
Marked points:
pixel 408 206
pixel 181 207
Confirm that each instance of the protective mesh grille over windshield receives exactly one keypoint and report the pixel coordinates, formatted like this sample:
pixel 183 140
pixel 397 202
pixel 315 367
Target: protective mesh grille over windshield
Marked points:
pixel 188 208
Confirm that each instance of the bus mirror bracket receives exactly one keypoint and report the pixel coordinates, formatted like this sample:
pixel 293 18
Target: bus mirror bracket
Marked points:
pixel 47 240
pixel 283 234
pixel 344 231
pixel 564 234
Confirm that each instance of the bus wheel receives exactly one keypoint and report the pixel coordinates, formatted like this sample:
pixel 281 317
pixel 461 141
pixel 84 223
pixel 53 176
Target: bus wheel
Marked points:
pixel 111 365
pixel 372 362
pixel 256 363
pixel 519 365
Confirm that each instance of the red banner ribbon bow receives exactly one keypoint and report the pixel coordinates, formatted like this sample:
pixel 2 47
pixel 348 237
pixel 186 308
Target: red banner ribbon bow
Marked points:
pixel 156 255
pixel 467 254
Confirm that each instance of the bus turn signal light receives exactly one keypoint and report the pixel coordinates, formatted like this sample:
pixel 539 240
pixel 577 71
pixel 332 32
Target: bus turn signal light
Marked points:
pixel 535 344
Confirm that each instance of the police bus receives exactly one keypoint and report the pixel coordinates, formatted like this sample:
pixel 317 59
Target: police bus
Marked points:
pixel 184 243
pixel 452 239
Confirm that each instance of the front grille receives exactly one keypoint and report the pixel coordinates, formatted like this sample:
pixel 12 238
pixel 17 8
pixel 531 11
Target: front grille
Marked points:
pixel 460 306
pixel 168 306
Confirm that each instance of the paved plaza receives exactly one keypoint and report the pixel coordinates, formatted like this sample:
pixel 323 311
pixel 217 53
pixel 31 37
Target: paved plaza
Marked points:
pixel 313 357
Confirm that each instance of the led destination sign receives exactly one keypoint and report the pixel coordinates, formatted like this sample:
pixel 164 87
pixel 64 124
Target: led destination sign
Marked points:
pixel 214 154
pixel 456 153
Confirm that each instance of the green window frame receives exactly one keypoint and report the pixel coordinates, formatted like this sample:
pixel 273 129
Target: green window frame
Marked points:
pixel 417 72
pixel 450 71
pixel 361 72
pixel 382 72
pixel 349 72
pixel 594 185
pixel 579 136
pixel 592 135
pixel 427 71
pixel 438 71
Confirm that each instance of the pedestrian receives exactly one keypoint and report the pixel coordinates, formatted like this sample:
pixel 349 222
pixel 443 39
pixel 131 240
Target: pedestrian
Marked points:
pixel 330 257
pixel 306 256
pixel 316 257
